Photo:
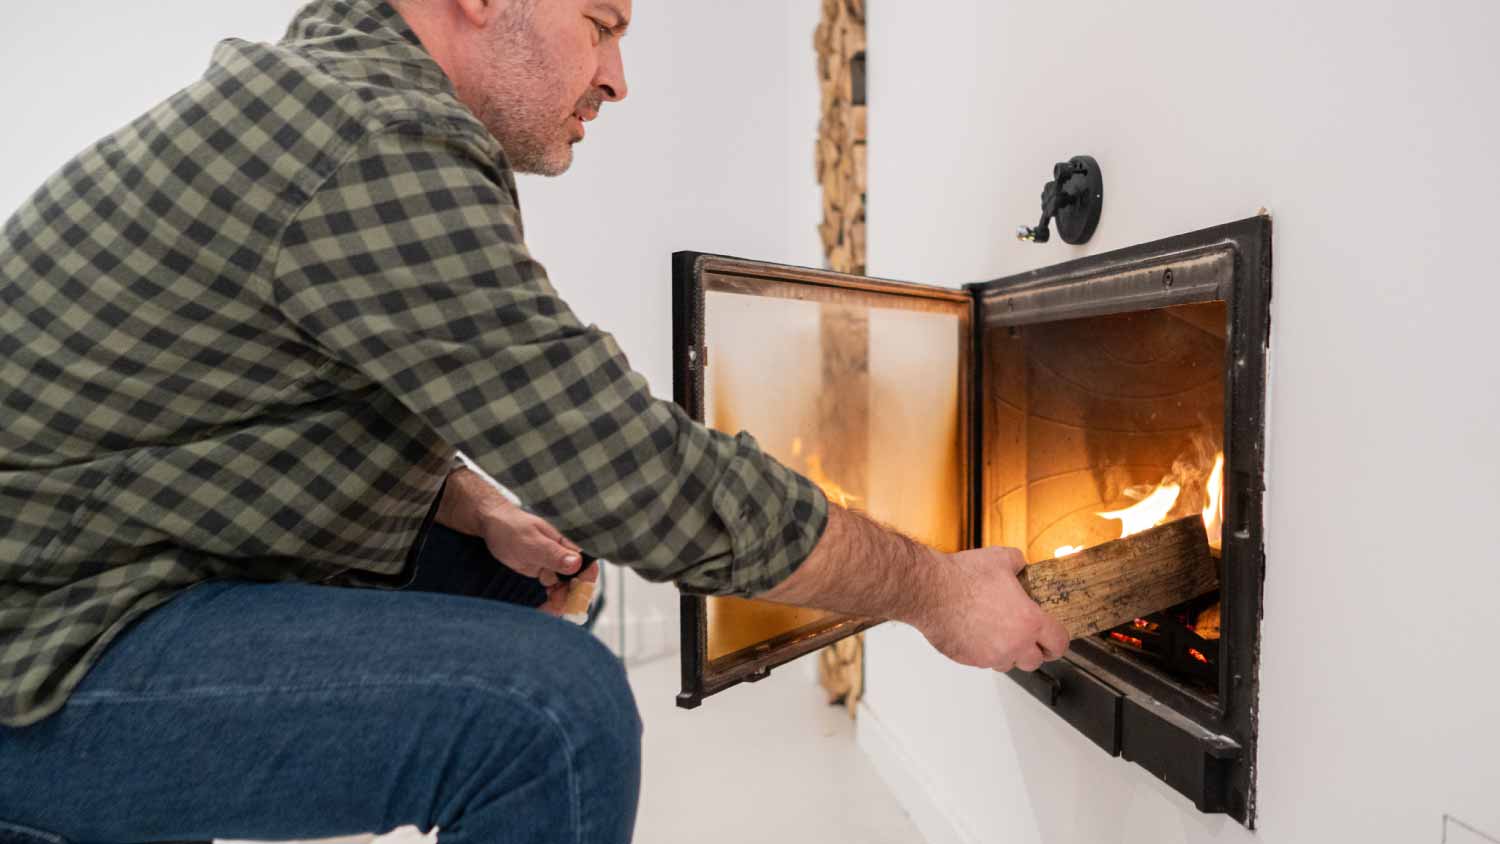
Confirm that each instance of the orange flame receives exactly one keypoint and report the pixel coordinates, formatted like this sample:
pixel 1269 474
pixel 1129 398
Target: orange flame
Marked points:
pixel 817 475
pixel 1213 514
pixel 1148 512
pixel 1153 509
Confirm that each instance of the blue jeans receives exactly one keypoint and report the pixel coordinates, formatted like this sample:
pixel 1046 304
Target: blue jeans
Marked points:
pixel 275 711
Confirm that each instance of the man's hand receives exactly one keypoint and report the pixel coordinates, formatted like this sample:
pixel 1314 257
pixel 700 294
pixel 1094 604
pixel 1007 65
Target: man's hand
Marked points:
pixel 969 605
pixel 987 620
pixel 528 544
pixel 561 594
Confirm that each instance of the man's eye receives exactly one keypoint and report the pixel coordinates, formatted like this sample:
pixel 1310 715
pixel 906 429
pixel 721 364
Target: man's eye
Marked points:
pixel 601 30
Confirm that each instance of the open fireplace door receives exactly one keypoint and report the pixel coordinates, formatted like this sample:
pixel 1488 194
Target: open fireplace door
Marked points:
pixel 861 385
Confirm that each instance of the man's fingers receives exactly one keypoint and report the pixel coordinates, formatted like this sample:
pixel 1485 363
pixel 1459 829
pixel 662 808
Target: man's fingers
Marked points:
pixel 1053 639
pixel 569 561
pixel 541 554
pixel 554 535
pixel 557 598
pixel 1012 558
pixel 548 578
pixel 1031 659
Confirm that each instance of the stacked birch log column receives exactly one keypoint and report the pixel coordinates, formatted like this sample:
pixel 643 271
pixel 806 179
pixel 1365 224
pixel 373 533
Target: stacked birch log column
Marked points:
pixel 840 45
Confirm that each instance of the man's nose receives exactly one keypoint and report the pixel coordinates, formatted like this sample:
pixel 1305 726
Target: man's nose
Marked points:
pixel 611 76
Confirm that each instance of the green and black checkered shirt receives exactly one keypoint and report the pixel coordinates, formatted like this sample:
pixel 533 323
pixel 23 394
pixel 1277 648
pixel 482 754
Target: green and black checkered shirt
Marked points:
pixel 244 336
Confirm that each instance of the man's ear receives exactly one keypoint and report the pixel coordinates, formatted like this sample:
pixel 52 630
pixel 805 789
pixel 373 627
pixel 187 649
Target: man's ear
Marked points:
pixel 479 13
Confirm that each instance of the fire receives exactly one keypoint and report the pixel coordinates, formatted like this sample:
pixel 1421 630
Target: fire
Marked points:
pixel 1213 514
pixel 817 475
pixel 1148 512
pixel 1154 508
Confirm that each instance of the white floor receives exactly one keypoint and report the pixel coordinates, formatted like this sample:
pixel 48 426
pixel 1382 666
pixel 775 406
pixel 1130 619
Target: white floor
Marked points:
pixel 762 762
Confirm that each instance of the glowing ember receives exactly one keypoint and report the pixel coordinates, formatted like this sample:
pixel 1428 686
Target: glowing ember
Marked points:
pixel 1148 512
pixel 1198 655
pixel 1207 625
pixel 1129 640
pixel 1213 514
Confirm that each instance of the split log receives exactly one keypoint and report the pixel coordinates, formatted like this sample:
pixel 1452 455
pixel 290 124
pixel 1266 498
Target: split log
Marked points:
pixel 580 595
pixel 1111 584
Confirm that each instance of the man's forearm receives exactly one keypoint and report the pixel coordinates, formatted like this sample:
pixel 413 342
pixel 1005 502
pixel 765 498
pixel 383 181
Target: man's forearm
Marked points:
pixel 861 568
pixel 969 605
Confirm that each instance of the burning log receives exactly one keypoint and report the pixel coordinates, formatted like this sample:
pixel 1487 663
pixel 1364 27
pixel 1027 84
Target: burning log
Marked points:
pixel 1111 584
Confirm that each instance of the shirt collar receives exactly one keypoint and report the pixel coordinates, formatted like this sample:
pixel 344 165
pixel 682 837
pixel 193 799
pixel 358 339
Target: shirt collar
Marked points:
pixel 373 26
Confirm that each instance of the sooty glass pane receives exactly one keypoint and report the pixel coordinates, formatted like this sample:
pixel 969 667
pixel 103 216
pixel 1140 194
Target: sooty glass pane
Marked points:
pixel 860 394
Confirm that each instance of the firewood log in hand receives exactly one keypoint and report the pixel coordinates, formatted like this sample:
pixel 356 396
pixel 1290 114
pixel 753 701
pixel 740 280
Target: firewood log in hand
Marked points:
pixel 1111 584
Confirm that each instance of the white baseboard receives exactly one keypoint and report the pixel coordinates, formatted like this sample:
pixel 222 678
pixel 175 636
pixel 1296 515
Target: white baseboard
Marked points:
pixel 913 785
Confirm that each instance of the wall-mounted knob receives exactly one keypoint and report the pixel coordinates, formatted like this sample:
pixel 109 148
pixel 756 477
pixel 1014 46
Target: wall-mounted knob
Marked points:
pixel 1074 197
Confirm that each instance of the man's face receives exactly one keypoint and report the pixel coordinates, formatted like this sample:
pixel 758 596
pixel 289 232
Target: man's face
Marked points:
pixel 546 67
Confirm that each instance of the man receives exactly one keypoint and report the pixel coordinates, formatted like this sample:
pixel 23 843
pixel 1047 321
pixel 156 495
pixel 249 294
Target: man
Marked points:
pixel 244 339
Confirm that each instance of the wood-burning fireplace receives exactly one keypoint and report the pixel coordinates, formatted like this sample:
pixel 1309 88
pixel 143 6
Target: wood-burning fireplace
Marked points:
pixel 1051 411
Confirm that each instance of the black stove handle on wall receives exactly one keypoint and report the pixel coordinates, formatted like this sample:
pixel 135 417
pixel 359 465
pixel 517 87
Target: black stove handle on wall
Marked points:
pixel 1074 197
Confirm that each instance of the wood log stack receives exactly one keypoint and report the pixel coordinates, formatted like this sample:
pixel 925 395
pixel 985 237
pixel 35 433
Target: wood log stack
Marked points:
pixel 840 45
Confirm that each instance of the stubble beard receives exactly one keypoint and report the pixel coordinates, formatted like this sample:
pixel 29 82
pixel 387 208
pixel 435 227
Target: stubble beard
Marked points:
pixel 518 102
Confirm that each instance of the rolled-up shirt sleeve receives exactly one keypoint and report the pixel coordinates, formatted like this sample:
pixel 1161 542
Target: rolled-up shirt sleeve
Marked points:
pixel 408 266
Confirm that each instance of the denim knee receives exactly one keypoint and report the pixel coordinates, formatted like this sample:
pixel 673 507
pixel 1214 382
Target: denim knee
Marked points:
pixel 558 722
pixel 592 690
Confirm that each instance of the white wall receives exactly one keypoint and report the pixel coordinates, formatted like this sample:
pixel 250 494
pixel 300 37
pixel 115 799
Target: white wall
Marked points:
pixel 711 151
pixel 1368 130
pixel 72 71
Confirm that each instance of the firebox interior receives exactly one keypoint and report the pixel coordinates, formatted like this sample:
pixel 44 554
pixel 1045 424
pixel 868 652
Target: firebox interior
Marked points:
pixel 1099 427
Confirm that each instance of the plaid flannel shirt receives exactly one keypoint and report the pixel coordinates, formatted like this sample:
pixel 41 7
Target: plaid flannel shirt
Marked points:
pixel 244 336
